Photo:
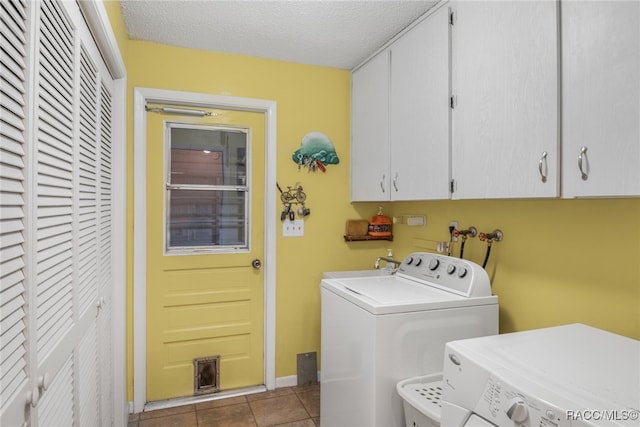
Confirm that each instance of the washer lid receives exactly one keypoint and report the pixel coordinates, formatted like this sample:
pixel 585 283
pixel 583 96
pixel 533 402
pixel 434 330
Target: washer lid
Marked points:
pixel 389 291
pixel 392 294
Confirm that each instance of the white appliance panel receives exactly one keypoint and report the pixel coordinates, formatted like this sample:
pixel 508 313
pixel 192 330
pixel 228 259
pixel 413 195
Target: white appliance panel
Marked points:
pixel 380 329
pixel 548 374
pixel 476 421
pixel 364 355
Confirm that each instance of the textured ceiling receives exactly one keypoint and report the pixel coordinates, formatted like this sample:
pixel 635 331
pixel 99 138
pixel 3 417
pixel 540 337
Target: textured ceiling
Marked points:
pixel 337 34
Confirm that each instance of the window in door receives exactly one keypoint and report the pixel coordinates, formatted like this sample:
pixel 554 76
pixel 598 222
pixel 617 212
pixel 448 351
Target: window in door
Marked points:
pixel 207 192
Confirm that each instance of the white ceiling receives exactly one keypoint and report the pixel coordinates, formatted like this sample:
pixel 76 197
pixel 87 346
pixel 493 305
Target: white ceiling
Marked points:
pixel 329 33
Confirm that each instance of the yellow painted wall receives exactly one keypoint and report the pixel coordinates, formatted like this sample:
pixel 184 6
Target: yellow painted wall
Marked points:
pixel 308 99
pixel 553 267
pixel 561 261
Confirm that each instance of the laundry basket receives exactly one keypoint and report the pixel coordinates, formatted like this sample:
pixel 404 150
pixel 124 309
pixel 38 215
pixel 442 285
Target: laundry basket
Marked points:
pixel 421 400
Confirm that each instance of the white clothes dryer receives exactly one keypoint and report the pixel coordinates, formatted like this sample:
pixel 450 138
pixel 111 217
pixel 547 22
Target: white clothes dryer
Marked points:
pixel 378 330
pixel 563 376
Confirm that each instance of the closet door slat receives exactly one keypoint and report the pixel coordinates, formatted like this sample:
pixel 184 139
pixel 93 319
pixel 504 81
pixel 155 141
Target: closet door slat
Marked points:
pixel 88 377
pixel 54 210
pixel 13 319
pixel 88 183
pixel 56 404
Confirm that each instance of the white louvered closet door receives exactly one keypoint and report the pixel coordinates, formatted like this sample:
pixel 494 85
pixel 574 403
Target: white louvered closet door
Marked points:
pixel 56 220
pixel 14 374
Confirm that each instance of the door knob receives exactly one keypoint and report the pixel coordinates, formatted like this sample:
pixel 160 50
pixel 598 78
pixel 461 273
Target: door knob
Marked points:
pixel 256 263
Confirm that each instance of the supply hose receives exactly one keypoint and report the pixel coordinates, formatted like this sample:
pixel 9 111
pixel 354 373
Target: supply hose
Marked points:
pixel 451 230
pixel 486 256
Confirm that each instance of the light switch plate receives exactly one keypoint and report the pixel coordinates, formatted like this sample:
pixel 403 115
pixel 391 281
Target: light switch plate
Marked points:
pixel 293 228
pixel 417 220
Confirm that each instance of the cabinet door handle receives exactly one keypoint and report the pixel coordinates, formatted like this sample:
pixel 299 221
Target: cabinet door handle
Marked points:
pixel 581 157
pixel 543 161
pixel 395 182
pixel 382 182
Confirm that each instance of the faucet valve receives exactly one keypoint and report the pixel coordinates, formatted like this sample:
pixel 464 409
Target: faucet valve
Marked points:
pixel 388 261
pixel 495 235
pixel 471 231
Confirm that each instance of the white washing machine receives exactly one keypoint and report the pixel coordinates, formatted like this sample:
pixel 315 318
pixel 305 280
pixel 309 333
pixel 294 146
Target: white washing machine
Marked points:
pixel 572 375
pixel 378 330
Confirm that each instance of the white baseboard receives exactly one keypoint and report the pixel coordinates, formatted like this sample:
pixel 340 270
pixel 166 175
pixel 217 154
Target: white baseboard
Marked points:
pixel 290 381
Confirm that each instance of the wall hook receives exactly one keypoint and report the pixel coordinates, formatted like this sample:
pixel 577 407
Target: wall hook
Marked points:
pixel 290 197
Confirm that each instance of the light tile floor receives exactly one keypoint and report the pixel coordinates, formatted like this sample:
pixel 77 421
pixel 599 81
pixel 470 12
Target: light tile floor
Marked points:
pixel 284 407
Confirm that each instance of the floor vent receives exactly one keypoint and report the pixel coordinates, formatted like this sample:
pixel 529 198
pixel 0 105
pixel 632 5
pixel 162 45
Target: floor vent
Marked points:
pixel 206 375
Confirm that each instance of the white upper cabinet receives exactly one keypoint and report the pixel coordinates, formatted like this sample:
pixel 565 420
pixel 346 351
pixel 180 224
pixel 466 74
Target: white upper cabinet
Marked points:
pixel 420 113
pixel 370 130
pixel 601 98
pixel 505 87
pixel 400 144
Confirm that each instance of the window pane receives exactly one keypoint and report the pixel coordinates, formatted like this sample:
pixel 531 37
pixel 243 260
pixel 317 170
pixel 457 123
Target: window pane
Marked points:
pixel 202 213
pixel 208 156
pixel 207 218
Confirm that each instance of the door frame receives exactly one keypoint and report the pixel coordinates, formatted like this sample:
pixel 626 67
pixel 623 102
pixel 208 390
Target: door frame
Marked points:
pixel 141 97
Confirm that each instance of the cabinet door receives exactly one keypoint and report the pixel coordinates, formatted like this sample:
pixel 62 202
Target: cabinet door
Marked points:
pixel 370 130
pixel 601 98
pixel 420 113
pixel 505 80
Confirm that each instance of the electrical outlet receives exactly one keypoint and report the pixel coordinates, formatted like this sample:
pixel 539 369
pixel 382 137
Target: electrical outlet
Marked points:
pixel 454 224
pixel 293 228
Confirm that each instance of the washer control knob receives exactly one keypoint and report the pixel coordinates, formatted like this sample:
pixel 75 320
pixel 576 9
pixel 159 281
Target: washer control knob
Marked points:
pixel 451 269
pixel 433 264
pixel 517 410
pixel 410 260
pixel 418 262
pixel 462 271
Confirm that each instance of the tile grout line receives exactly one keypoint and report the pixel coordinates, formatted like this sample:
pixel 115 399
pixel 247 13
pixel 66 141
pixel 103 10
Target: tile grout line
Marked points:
pixel 255 420
pixel 302 403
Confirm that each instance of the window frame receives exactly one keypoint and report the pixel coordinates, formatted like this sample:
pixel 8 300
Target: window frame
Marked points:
pixel 168 186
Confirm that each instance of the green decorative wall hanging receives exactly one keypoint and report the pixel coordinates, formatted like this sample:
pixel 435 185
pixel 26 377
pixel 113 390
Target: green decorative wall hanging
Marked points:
pixel 315 152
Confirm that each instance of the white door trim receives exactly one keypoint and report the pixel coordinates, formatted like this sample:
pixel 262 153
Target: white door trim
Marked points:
pixel 141 97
